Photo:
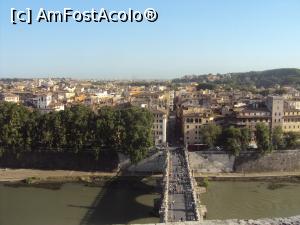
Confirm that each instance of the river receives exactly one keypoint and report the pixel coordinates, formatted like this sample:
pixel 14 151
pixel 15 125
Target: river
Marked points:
pixel 132 202
pixel 78 204
pixel 245 200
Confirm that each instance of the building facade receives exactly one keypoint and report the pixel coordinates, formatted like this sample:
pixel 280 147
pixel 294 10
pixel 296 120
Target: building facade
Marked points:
pixel 193 119
pixel 159 129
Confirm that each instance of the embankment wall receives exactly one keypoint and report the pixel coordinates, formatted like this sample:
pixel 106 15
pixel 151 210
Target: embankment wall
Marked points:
pixel 285 161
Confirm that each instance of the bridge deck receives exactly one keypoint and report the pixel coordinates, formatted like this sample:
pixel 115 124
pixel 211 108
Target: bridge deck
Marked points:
pixel 181 205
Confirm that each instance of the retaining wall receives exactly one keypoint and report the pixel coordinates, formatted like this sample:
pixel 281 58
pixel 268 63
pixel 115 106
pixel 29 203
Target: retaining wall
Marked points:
pixel 295 220
pixel 286 160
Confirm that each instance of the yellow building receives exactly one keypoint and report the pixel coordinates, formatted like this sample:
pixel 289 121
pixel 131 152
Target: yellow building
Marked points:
pixel 80 98
pixel 193 118
pixel 291 121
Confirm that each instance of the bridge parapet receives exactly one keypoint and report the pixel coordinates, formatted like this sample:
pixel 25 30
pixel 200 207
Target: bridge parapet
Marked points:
pixel 163 212
pixel 196 201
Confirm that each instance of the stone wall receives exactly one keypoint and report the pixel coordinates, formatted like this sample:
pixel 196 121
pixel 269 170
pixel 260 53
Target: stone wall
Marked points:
pixel 295 220
pixel 218 162
pixel 211 162
pixel 152 164
pixel 287 160
pixel 83 160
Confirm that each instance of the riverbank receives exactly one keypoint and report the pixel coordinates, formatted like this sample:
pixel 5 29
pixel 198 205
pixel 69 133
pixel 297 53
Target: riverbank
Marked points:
pixel 13 175
pixel 249 176
pixel 17 175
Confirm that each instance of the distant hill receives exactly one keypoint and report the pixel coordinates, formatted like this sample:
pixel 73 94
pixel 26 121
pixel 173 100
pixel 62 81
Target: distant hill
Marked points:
pixel 267 78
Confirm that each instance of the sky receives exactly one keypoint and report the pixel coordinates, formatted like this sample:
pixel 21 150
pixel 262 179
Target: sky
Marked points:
pixel 189 37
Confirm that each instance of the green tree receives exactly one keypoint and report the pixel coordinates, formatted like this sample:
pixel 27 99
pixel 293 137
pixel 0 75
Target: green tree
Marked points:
pixel 245 138
pixel 210 134
pixel 277 138
pixel 292 140
pixel 76 129
pixel 263 138
pixel 203 86
pixel 136 137
pixel 107 127
pixel 234 145
pixel 232 137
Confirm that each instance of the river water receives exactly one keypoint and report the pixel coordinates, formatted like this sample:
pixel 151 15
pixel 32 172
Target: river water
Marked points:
pixel 245 200
pixel 132 202
pixel 77 204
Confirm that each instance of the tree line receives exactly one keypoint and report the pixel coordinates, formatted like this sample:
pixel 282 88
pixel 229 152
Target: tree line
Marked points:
pixel 235 139
pixel 267 78
pixel 78 128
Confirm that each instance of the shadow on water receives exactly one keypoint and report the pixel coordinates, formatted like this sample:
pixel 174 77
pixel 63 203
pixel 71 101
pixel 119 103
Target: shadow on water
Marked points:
pixel 117 202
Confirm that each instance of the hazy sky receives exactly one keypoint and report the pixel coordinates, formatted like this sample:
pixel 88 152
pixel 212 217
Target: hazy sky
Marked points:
pixel 189 37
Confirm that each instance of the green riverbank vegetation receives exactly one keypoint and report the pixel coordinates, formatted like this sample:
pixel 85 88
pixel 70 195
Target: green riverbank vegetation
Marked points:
pixel 76 129
pixel 235 140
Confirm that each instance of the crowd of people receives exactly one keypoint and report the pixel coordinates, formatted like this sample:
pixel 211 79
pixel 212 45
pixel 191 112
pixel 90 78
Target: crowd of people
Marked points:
pixel 179 184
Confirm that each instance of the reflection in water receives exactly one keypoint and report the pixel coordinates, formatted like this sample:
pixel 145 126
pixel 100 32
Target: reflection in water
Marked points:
pixel 245 200
pixel 76 204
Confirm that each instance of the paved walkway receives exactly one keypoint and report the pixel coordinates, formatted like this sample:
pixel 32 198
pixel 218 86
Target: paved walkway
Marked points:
pixel 180 191
pixel 20 174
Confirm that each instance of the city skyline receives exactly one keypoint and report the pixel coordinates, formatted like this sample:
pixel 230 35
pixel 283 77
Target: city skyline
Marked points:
pixel 196 38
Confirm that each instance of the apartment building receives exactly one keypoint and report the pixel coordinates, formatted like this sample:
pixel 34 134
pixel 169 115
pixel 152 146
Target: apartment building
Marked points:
pixel 276 111
pixel 293 103
pixel 250 116
pixel 275 104
pixel 159 130
pixel 42 101
pixel 9 97
pixel 291 120
pixel 193 118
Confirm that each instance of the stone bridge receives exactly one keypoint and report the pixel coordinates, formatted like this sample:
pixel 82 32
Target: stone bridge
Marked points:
pixel 180 202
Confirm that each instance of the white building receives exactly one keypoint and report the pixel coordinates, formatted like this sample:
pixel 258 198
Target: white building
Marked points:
pixel 43 101
pixel 171 100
